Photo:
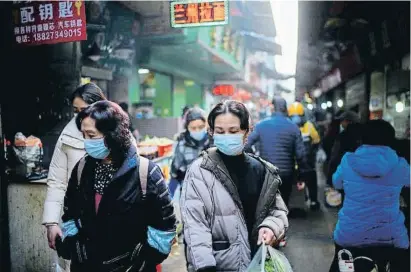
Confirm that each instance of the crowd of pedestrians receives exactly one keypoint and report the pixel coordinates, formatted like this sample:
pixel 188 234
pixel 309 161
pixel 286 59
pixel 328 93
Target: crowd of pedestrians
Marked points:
pixel 117 210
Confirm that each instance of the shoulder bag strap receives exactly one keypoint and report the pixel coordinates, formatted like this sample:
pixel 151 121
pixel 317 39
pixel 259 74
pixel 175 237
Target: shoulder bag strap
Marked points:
pixel 80 168
pixel 143 173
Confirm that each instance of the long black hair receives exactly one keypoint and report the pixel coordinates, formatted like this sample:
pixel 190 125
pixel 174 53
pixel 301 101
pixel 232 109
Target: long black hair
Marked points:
pixel 234 107
pixel 113 123
pixel 89 92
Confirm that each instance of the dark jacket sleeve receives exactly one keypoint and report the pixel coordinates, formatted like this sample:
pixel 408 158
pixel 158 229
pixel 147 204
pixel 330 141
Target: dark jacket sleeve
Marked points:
pixel 300 155
pixel 161 219
pixel 70 199
pixel 334 161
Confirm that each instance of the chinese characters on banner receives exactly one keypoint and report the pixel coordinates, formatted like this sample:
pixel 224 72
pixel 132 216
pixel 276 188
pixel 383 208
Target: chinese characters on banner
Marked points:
pixel 199 13
pixel 49 22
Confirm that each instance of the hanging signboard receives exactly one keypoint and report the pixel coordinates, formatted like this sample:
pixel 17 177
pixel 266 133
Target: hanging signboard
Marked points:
pixel 198 13
pixel 225 90
pixel 48 22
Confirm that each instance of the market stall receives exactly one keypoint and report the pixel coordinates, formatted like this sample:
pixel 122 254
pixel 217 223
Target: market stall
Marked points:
pixel 160 150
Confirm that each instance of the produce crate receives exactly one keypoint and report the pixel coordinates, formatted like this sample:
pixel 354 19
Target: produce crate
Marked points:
pixel 164 150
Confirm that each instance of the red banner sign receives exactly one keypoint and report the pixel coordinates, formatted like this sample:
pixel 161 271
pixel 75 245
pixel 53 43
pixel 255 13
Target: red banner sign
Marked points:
pixel 49 22
pixel 226 90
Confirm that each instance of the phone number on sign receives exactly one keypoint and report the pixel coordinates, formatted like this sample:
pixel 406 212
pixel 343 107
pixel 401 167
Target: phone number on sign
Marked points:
pixel 53 35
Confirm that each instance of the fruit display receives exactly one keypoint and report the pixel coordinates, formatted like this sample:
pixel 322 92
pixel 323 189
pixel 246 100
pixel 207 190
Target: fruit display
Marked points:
pixel 155 147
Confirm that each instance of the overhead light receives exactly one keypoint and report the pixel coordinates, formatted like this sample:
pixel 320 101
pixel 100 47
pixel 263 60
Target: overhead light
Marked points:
pixel 143 71
pixel 340 103
pixel 399 106
pixel 317 93
pixel 329 104
pixel 324 106
pixel 310 106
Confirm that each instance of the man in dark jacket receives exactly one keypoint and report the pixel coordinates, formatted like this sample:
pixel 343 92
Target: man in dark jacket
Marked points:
pixel 347 141
pixel 280 143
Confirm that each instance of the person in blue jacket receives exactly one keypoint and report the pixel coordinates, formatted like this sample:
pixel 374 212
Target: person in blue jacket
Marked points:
pixel 280 142
pixel 370 222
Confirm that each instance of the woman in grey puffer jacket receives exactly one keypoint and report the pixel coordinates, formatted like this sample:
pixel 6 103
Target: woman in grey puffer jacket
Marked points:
pixel 230 200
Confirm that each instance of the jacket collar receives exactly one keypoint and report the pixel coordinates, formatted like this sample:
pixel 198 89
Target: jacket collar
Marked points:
pixel 213 163
pixel 129 163
pixel 72 130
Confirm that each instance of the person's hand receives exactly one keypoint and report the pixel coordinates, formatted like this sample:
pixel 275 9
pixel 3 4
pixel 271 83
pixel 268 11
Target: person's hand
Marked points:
pixel 52 232
pixel 266 235
pixel 300 185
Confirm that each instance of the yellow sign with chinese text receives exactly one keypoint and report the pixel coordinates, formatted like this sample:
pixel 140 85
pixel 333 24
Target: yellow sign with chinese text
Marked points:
pixel 194 13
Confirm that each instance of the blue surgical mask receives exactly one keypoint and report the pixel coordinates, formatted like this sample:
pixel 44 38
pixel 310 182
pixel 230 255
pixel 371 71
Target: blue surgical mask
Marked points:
pixel 96 148
pixel 296 120
pixel 229 144
pixel 198 135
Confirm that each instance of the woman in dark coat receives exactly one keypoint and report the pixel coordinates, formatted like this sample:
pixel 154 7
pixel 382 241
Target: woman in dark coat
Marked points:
pixel 106 224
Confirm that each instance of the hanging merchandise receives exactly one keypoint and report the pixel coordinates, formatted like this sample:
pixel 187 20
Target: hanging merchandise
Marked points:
pixel 29 157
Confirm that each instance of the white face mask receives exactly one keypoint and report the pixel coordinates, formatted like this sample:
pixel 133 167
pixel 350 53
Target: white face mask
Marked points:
pixel 341 128
pixel 75 115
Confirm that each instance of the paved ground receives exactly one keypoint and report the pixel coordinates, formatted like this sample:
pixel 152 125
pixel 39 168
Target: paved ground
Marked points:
pixel 309 247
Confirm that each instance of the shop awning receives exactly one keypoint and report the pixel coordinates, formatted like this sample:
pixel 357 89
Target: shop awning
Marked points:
pixel 258 42
pixel 96 73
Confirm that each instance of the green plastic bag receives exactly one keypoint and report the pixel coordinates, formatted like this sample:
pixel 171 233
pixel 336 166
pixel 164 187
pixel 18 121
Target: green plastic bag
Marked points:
pixel 268 259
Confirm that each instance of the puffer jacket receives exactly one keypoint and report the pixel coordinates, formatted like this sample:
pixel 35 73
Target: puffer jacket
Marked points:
pixel 215 231
pixel 280 143
pixel 372 179
pixel 68 151
pixel 125 218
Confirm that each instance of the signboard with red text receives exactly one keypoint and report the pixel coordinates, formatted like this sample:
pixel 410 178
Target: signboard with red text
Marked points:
pixel 225 90
pixel 199 13
pixel 49 22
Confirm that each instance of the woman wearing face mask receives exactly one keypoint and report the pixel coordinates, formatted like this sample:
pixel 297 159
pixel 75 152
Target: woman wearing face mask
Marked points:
pixel 230 200
pixel 106 226
pixel 68 151
pixel 189 144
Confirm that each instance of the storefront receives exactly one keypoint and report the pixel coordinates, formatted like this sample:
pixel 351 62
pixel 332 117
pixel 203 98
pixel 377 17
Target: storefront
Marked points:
pixel 397 106
pixel 43 77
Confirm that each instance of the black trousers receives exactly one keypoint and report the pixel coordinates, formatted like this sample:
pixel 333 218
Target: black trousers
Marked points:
pixel 312 185
pixel 286 188
pixel 399 259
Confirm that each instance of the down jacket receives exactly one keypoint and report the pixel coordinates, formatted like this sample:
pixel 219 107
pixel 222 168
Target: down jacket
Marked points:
pixel 126 219
pixel 68 151
pixel 280 142
pixel 215 231
pixel 372 179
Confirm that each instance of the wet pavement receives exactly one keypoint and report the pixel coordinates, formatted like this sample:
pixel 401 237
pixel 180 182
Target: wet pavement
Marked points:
pixel 309 247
